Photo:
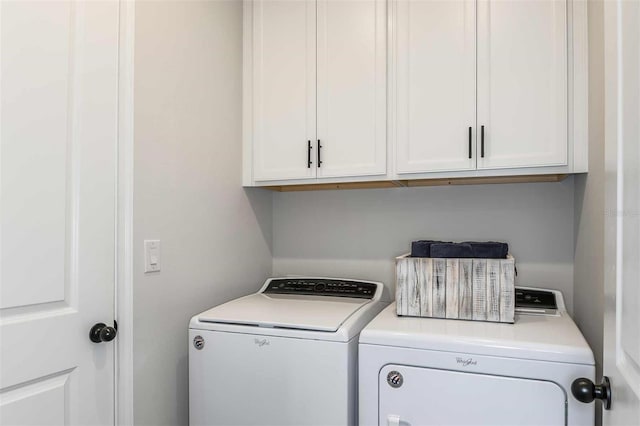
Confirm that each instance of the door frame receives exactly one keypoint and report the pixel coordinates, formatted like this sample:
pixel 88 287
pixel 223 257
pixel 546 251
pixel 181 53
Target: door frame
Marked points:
pixel 123 311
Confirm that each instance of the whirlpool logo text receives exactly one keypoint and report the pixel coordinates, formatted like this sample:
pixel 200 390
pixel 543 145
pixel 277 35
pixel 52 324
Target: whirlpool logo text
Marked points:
pixel 465 362
pixel 261 342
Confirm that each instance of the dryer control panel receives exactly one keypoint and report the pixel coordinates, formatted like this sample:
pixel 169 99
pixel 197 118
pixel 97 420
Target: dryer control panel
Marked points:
pixel 529 298
pixel 322 287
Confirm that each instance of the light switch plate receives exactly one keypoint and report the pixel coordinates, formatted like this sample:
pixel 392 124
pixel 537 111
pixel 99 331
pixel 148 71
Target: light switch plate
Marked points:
pixel 151 255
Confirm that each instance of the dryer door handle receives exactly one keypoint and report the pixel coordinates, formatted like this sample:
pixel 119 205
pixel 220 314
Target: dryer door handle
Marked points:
pixel 393 420
pixel 584 390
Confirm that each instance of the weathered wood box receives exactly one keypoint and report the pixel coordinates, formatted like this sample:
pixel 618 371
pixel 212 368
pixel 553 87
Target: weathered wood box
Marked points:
pixel 468 289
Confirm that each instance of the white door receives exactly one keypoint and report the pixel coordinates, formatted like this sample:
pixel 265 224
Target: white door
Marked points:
pixel 284 89
pixel 429 396
pixel 622 220
pixel 434 62
pixel 58 122
pixel 522 83
pixel 352 133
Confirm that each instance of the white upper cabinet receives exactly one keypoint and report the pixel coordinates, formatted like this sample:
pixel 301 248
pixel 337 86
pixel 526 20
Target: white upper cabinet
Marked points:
pixel 435 85
pixel 351 87
pixel 346 91
pixel 522 83
pixel 519 94
pixel 283 77
pixel 317 88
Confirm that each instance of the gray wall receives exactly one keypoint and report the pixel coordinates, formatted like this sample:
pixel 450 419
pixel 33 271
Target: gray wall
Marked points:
pixel 216 237
pixel 357 233
pixel 589 202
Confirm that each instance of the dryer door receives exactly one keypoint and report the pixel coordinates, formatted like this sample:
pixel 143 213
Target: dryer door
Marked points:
pixel 411 396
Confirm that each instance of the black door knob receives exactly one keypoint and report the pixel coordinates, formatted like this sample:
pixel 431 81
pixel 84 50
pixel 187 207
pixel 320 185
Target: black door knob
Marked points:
pixel 102 333
pixel 584 390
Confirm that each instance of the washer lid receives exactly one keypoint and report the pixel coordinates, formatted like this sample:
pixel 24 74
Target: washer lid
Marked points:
pixel 301 312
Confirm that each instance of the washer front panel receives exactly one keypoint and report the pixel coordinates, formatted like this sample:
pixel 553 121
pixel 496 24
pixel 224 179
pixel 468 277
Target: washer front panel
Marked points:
pixel 253 380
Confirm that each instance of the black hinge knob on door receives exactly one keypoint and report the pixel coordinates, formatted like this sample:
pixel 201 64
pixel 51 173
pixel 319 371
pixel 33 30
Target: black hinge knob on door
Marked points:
pixel 319 148
pixel 309 148
pixel 101 332
pixel 584 390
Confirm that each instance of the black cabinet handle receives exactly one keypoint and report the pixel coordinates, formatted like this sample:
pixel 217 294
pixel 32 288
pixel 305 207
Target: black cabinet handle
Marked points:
pixel 309 148
pixel 470 142
pixel 319 148
pixel 482 141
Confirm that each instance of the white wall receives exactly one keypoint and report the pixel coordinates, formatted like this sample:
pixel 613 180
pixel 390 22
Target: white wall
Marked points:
pixel 357 233
pixel 188 194
pixel 216 237
pixel 589 203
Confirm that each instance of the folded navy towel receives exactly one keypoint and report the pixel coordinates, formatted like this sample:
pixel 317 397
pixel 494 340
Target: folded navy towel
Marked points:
pixel 468 249
pixel 446 250
pixel 422 248
pixel 489 249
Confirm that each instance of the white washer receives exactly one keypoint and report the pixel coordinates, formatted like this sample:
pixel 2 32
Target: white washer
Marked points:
pixel 424 371
pixel 286 355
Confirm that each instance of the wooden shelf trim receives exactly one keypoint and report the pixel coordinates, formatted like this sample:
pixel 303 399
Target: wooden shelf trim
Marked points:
pixel 484 180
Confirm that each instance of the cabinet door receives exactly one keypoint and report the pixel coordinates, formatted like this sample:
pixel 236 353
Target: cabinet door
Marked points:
pixel 435 85
pixel 522 83
pixel 352 87
pixel 284 85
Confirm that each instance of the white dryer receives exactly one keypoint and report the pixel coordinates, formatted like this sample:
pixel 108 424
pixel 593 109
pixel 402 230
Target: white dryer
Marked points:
pixel 286 355
pixel 424 371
